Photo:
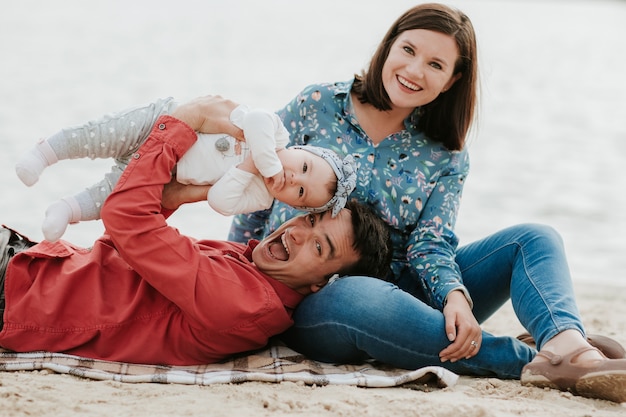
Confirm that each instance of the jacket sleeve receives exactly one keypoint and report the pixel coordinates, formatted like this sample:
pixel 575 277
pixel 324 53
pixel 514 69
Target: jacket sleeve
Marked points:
pixel 135 222
pixel 432 245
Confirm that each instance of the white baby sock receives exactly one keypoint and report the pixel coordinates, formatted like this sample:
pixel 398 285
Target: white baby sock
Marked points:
pixel 58 216
pixel 32 164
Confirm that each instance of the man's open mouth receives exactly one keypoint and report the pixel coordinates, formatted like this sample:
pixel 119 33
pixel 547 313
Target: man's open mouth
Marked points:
pixel 278 249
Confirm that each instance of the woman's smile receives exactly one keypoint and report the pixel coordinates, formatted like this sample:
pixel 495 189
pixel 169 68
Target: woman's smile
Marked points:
pixel 408 84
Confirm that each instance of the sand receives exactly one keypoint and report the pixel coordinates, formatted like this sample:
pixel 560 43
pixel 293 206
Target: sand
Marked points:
pixel 550 147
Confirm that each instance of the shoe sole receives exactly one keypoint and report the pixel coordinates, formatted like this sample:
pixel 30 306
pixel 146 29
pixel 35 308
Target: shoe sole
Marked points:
pixel 600 385
pixel 605 386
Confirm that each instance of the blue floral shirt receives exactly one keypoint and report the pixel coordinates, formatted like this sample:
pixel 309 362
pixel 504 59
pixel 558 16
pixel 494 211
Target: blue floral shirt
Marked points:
pixel 412 182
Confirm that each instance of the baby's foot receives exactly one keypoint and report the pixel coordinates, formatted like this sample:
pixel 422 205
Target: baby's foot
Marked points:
pixel 30 167
pixel 32 164
pixel 58 217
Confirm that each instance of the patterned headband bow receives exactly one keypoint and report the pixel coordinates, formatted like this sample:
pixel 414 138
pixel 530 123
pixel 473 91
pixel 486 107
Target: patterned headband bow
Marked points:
pixel 345 170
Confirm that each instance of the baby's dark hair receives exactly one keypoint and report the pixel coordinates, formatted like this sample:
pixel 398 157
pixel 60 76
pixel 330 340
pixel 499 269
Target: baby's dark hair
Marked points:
pixel 372 241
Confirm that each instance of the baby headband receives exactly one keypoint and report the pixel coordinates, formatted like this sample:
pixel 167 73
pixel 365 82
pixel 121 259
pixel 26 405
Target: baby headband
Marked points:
pixel 345 170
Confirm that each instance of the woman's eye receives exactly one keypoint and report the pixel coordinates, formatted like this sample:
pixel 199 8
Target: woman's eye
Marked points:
pixel 312 219
pixel 435 65
pixel 408 49
pixel 301 192
pixel 318 247
pixel 305 167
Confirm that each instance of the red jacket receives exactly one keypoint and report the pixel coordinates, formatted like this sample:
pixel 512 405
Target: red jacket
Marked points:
pixel 143 293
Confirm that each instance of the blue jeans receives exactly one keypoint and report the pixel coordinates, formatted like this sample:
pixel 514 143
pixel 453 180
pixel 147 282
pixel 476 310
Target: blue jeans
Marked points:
pixel 357 318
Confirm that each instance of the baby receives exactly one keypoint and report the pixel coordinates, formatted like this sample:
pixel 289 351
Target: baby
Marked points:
pixel 244 176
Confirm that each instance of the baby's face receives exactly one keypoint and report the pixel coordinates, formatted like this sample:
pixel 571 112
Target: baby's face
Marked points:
pixel 309 179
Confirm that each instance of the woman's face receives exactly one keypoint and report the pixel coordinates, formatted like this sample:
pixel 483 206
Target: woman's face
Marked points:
pixel 419 67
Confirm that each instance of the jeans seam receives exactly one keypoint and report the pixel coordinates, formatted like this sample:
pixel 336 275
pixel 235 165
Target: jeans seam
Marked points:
pixel 534 285
pixel 522 250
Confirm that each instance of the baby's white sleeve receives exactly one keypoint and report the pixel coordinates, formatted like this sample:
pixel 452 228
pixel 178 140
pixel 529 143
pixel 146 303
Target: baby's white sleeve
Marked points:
pixel 261 129
pixel 239 191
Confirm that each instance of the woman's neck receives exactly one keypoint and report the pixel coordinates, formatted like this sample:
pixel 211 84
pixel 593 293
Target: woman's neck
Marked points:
pixel 378 124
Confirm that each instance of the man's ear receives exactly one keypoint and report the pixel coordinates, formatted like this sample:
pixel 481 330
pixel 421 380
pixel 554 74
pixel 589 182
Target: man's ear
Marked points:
pixel 317 287
pixel 320 285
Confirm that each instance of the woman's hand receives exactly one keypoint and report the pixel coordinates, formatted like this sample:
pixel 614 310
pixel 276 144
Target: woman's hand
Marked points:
pixel 462 329
pixel 176 194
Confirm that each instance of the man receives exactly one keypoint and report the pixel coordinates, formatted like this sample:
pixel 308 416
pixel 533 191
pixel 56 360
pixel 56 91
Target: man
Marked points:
pixel 146 294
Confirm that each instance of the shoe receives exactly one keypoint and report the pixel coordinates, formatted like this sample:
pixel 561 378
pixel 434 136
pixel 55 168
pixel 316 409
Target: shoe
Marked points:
pixel 611 348
pixel 602 379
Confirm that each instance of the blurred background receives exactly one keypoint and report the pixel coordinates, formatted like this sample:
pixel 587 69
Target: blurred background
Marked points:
pixel 549 147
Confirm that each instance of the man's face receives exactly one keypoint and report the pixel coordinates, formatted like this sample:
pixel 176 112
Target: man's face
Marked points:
pixel 305 250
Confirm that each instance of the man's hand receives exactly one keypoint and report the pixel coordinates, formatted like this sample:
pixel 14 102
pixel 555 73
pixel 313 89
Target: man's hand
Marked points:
pixel 176 194
pixel 462 329
pixel 209 114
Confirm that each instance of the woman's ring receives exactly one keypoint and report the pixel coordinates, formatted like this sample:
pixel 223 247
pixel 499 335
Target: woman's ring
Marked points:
pixel 473 343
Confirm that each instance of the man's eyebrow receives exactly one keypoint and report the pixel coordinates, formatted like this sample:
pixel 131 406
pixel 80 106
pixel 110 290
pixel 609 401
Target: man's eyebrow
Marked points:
pixel 331 255
pixel 332 248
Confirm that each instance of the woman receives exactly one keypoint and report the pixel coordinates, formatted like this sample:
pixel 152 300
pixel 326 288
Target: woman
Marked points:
pixel 405 121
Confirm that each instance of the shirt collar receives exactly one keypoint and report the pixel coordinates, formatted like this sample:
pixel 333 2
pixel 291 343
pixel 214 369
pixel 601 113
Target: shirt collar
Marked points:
pixel 342 92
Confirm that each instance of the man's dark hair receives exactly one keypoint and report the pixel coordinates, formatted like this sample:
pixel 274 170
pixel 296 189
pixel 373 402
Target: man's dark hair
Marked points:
pixel 372 241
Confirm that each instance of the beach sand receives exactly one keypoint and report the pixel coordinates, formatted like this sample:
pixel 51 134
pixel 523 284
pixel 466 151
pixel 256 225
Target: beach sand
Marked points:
pixel 550 148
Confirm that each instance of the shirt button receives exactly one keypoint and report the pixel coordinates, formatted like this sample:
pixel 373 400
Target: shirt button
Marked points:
pixel 136 156
pixel 162 126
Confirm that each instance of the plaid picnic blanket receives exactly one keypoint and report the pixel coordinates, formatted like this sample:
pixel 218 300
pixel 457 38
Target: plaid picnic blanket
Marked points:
pixel 276 363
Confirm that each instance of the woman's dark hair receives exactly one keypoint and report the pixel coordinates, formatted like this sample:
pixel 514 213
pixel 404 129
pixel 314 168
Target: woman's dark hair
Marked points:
pixel 372 241
pixel 446 119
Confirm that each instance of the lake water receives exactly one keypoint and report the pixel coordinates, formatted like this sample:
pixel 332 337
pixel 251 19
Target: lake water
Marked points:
pixel 550 145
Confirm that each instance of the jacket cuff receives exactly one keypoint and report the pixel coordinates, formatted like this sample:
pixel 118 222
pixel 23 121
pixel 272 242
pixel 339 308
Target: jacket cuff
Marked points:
pixel 465 293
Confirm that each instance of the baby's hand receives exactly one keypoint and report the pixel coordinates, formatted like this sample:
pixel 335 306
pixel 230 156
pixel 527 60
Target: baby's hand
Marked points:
pixel 276 182
pixel 248 166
